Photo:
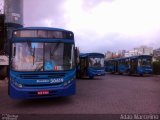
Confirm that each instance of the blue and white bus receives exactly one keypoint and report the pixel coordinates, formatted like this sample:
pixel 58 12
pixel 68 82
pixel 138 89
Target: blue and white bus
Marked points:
pixel 42 63
pixel 123 65
pixel 91 64
pixel 140 65
pixel 111 65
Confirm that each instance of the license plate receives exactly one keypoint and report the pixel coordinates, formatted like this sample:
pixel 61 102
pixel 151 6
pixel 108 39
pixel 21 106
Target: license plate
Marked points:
pixel 45 92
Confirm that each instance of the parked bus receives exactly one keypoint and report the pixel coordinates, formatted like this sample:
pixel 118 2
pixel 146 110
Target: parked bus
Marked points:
pixel 123 65
pixel 141 65
pixel 42 63
pixel 111 65
pixel 91 64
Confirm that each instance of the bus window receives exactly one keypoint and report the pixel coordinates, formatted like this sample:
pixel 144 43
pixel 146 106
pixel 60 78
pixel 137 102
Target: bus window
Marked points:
pixel 25 33
pixel 27 58
pixel 55 34
pixel 145 62
pixel 41 34
pixel 96 62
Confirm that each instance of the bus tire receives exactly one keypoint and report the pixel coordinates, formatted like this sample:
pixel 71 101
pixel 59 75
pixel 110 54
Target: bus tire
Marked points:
pixel 120 73
pixel 141 75
pixel 9 88
pixel 3 72
pixel 129 73
pixel 112 72
pixel 91 77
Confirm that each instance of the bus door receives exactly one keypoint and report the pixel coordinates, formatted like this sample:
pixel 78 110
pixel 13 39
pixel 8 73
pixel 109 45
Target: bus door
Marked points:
pixel 83 67
pixel 127 63
pixel 119 66
pixel 116 66
pixel 111 69
pixel 134 64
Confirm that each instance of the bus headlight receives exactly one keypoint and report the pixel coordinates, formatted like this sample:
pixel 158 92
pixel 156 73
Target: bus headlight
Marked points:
pixel 68 82
pixel 16 84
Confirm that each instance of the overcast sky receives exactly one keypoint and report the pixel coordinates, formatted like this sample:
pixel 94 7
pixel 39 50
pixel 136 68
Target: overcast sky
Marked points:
pixel 100 25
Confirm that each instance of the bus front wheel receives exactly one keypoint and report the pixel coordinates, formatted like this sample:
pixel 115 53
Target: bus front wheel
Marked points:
pixel 3 72
pixel 141 74
pixel 91 77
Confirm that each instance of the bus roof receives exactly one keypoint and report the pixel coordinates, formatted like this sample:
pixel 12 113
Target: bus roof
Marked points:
pixel 91 55
pixel 140 56
pixel 41 28
pixel 131 57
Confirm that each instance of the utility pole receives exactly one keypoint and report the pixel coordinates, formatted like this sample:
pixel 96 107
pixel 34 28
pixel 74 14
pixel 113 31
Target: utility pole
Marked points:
pixel 11 18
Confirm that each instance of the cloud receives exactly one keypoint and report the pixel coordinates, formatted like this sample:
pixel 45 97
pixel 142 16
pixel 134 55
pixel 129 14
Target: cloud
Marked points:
pixel 44 13
pixel 100 25
pixel 131 20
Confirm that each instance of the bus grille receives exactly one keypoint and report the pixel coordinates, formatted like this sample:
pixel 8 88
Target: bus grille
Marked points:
pixel 42 76
pixel 42 85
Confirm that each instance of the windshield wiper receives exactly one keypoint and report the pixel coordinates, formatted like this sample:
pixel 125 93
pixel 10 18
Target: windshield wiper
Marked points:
pixel 39 67
pixel 32 52
pixel 54 49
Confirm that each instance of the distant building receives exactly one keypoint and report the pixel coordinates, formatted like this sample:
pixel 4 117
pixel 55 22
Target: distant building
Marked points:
pixel 144 50
pixel 110 55
pixel 121 53
pixel 131 53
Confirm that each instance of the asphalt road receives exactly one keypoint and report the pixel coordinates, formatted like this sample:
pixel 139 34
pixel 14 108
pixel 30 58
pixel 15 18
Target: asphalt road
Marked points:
pixel 109 94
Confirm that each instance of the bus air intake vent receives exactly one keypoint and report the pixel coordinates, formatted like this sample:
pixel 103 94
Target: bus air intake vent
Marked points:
pixel 42 76
pixel 43 85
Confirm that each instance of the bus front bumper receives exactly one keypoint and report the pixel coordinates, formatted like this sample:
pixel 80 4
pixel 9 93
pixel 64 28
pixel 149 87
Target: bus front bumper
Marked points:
pixel 145 71
pixel 98 73
pixel 33 93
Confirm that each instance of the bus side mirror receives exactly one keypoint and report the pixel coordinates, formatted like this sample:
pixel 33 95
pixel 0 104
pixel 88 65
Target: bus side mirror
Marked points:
pixel 76 51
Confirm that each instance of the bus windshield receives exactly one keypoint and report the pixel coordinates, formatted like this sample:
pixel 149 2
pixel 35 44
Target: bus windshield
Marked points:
pixel 96 62
pixel 34 56
pixel 145 62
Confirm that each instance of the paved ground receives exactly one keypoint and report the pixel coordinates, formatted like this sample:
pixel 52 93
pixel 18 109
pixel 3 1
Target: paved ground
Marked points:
pixel 109 94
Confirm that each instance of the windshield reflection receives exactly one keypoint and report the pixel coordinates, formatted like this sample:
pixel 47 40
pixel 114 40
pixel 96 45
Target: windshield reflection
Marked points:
pixel 29 56
pixel 145 62
pixel 96 62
